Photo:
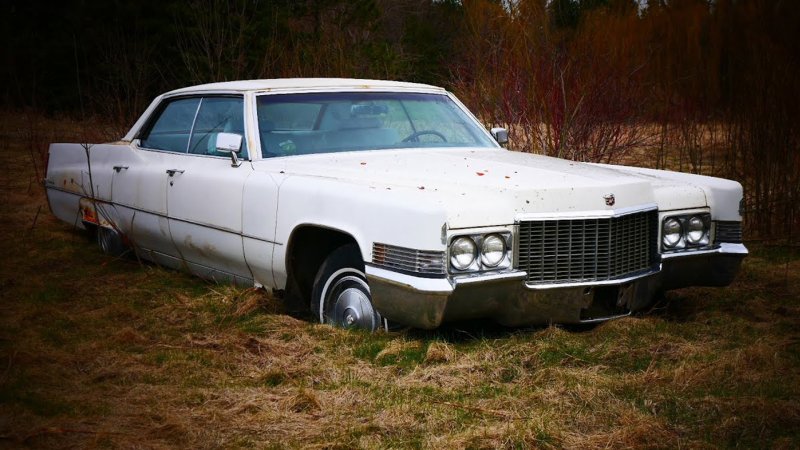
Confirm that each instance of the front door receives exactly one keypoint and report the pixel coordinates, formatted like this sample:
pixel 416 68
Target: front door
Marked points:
pixel 204 201
pixel 204 195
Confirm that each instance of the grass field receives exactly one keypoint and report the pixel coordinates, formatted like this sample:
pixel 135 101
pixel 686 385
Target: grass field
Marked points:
pixel 104 352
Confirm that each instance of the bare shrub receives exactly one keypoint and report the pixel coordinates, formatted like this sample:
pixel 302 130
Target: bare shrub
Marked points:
pixel 579 98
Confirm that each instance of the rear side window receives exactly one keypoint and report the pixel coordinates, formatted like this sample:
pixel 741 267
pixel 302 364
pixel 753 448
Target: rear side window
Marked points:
pixel 173 127
pixel 190 125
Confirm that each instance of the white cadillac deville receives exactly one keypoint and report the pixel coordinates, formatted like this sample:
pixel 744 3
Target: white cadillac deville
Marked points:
pixel 378 201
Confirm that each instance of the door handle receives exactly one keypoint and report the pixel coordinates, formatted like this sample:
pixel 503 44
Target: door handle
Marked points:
pixel 172 172
pixel 118 169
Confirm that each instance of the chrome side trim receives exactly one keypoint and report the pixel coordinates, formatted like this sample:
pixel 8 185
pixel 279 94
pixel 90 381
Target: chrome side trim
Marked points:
pixel 441 286
pixel 727 231
pixel 604 319
pixel 596 214
pixel 537 287
pixel 409 260
pixel 191 222
pixel 725 248
pixel 481 278
pixel 197 155
pixel 180 263
pixel 53 187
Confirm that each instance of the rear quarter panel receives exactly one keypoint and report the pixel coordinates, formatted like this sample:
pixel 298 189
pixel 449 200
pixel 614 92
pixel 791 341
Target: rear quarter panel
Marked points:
pixel 67 180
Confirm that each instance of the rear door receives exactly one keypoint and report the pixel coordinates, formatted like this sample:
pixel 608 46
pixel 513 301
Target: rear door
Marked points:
pixel 140 179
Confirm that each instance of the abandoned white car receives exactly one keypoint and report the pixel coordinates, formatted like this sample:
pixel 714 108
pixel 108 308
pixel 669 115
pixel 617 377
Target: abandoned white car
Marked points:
pixel 379 202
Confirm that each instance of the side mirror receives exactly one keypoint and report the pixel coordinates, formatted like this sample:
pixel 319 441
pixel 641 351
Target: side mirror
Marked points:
pixel 500 135
pixel 229 143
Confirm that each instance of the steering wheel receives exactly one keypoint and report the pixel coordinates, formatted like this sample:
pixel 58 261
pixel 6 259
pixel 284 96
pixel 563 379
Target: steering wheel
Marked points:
pixel 413 136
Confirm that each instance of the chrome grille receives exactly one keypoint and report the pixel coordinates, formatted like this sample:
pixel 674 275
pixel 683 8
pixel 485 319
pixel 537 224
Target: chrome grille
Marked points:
pixel 728 232
pixel 403 259
pixel 587 250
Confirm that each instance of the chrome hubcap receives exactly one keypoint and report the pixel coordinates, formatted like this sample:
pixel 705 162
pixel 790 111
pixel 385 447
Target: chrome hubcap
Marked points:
pixel 105 239
pixel 350 306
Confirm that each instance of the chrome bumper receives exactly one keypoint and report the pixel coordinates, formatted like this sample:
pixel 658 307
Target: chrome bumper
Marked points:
pixel 716 267
pixel 505 298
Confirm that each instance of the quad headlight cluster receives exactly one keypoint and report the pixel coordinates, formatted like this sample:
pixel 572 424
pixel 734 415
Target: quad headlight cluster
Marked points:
pixel 480 252
pixel 689 231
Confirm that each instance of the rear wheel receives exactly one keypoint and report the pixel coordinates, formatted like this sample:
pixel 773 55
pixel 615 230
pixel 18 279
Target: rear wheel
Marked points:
pixel 341 295
pixel 110 241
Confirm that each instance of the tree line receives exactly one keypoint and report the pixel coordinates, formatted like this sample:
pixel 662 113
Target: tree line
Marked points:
pixel 707 86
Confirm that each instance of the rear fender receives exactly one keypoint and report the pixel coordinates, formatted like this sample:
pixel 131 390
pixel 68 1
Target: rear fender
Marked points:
pixel 67 181
pixel 97 213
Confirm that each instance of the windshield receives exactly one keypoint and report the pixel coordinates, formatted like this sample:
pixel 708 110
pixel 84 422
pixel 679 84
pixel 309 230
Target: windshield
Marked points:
pixel 297 124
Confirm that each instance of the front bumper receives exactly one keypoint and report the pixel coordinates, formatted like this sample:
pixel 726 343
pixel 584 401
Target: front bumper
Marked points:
pixel 505 298
pixel 716 267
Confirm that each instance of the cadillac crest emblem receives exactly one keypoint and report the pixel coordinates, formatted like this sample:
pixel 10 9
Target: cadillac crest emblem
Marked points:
pixel 610 200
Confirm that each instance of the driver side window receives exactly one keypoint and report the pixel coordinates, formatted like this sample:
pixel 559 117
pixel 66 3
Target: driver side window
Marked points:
pixel 190 125
pixel 217 115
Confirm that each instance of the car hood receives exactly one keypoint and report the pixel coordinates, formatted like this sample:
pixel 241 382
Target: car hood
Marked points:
pixel 479 187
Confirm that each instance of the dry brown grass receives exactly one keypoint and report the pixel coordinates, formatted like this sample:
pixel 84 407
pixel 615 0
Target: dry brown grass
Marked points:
pixel 103 352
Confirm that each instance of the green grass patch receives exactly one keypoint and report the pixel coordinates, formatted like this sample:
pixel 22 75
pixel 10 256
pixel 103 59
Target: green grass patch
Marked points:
pixel 369 349
pixel 36 399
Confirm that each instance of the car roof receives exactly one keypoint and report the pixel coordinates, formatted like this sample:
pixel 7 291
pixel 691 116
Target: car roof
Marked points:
pixel 306 83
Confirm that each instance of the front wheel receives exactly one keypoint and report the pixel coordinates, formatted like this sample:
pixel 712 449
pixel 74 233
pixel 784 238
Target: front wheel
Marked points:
pixel 341 295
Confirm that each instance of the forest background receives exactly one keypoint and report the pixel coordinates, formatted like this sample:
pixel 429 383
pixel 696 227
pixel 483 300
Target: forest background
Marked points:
pixel 104 352
pixel 702 86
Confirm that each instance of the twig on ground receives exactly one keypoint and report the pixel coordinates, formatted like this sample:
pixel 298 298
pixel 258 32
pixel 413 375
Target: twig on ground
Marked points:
pixel 36 217
pixel 60 431
pixel 8 367
pixel 500 414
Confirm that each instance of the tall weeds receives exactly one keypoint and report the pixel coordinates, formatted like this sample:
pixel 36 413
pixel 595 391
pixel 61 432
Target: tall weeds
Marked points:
pixel 686 85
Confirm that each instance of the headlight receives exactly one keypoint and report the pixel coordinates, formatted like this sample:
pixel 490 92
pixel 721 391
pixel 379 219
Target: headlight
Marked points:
pixel 481 252
pixel 696 231
pixel 686 232
pixel 462 253
pixel 493 250
pixel 671 233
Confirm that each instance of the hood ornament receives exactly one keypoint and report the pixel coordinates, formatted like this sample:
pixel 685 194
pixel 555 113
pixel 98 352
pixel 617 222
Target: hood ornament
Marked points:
pixel 610 200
